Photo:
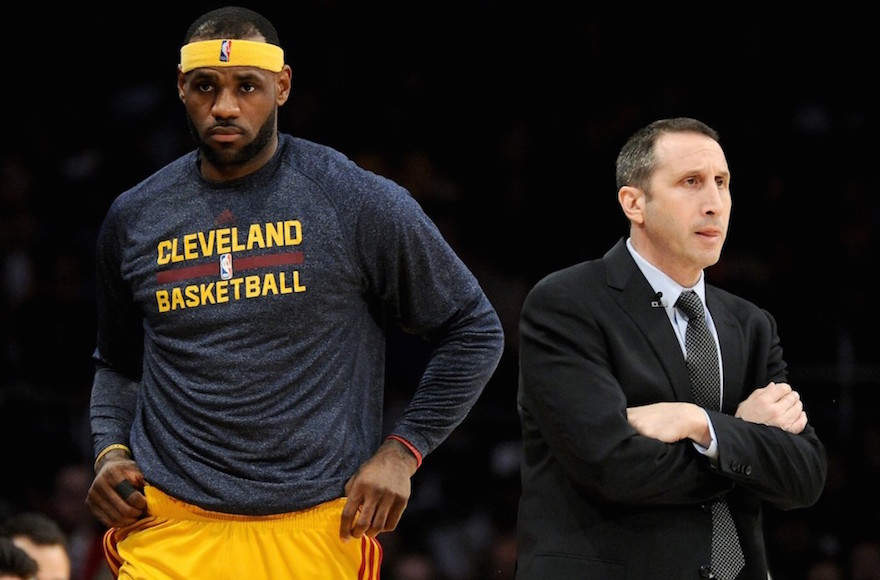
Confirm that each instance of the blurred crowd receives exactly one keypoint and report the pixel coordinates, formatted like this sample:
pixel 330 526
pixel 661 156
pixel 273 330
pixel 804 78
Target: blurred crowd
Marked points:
pixel 509 142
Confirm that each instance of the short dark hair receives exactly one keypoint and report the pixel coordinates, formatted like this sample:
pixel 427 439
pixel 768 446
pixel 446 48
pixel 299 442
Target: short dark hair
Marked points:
pixel 636 161
pixel 231 22
pixel 15 562
pixel 37 526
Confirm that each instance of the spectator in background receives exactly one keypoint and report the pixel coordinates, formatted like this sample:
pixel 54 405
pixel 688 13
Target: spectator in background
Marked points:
pixel 15 564
pixel 83 531
pixel 44 541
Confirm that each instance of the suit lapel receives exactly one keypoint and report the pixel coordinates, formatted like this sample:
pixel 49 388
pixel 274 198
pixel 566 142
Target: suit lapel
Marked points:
pixel 635 299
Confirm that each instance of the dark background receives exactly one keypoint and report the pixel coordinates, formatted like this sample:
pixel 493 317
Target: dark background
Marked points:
pixel 504 122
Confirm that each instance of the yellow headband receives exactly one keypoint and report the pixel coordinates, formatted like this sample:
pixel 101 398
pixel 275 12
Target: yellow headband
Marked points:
pixel 213 53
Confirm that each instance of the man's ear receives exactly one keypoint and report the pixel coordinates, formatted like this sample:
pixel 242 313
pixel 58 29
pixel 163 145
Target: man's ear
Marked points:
pixel 632 202
pixel 181 82
pixel 283 80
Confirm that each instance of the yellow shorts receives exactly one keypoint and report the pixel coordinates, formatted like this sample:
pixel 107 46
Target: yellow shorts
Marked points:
pixel 178 540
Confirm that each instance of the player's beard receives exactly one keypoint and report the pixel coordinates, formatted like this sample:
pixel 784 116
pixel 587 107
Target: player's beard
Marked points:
pixel 232 157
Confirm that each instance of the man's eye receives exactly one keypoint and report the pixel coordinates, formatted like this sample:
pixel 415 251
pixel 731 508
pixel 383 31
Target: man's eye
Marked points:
pixel 248 88
pixel 204 87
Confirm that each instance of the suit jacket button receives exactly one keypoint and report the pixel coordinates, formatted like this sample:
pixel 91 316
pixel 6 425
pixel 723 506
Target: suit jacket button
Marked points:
pixel 706 572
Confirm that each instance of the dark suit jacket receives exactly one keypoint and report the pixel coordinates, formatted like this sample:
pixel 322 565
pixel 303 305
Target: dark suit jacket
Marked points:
pixel 598 499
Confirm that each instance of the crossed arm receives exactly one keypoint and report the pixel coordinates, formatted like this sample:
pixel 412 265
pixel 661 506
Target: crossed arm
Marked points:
pixel 776 405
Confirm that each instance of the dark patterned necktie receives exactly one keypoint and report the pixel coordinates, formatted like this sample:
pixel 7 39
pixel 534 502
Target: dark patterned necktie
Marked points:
pixel 702 363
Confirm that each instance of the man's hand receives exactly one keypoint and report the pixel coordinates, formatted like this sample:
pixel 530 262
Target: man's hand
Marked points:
pixel 670 422
pixel 379 492
pixel 115 496
pixel 777 405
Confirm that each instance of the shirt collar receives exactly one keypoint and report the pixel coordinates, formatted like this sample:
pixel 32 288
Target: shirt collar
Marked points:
pixel 663 284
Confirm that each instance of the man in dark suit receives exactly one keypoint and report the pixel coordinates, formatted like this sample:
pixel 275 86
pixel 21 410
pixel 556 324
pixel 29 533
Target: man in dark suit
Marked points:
pixel 621 466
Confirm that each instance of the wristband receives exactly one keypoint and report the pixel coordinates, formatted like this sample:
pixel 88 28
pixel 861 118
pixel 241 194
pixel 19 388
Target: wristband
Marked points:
pixel 108 449
pixel 409 446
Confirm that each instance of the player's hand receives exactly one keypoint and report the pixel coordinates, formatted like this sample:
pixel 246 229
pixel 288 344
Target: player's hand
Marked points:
pixel 116 495
pixel 378 492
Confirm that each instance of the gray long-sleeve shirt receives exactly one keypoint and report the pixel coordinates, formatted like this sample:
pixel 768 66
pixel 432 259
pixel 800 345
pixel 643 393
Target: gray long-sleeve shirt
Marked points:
pixel 241 328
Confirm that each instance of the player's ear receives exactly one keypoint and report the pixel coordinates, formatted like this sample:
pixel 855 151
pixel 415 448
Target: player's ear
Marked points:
pixel 283 84
pixel 181 82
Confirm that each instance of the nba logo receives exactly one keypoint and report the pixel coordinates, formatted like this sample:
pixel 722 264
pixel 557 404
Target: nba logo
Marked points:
pixel 226 266
pixel 225 49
